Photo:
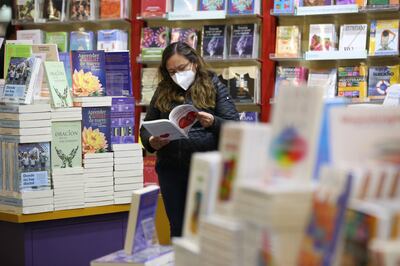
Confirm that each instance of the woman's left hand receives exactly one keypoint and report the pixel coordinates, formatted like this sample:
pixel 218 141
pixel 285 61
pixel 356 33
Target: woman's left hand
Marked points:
pixel 205 119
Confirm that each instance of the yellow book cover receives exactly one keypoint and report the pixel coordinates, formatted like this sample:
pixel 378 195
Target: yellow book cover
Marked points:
pixel 352 82
pixel 384 37
pixel 287 41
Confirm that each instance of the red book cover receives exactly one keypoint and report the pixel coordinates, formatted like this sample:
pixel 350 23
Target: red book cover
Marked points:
pixel 153 8
pixel 110 9
pixel 149 171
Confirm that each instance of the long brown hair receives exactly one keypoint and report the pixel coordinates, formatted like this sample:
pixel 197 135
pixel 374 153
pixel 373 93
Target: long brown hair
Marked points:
pixel 201 92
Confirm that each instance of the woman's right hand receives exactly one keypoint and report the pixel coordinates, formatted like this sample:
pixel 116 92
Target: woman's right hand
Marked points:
pixel 157 142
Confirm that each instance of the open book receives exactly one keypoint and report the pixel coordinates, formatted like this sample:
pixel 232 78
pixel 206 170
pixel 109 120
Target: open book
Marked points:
pixel 181 119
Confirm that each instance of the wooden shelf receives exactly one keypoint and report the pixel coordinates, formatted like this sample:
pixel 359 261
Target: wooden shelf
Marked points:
pixel 216 62
pixel 27 218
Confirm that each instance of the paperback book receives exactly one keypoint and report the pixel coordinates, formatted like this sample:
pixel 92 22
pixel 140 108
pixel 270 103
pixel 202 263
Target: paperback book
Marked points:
pixel 352 82
pixel 286 76
pixel 322 37
pixel 96 129
pixel 37 36
pixel 188 36
pixel 184 6
pixel 285 6
pixel 244 83
pixel 252 117
pixel 353 37
pixel 327 78
pixel 27 10
pixel 288 41
pixel 15 50
pixel 149 84
pixel 384 37
pixel 380 79
pixel 59 38
pixel 154 8
pixel 112 40
pixel 317 2
pixel 122 120
pixel 154 40
pixel 65 58
pixel 214 42
pixel 59 90
pixel 54 10
pixel 81 40
pixel 212 5
pixel 243 7
pixel 113 9
pixel 118 74
pixel 88 77
pixel 81 10
pixel 244 41
pixel 66 144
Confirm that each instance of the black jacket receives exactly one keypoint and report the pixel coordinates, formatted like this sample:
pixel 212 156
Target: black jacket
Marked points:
pixel 177 153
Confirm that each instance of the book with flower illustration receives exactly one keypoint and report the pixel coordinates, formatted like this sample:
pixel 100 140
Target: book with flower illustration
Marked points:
pixel 66 144
pixel 288 40
pixel 153 42
pixel 322 37
pixel 59 90
pixel 96 130
pixel 243 7
pixel 181 119
pixel 88 73
pixel 384 37
pixel 212 5
pixel 244 41
pixel 380 78
pixel 214 41
pixel 188 36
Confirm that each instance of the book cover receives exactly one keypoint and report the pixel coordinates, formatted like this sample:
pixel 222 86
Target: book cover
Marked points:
pixel 59 90
pixel 59 38
pixel 33 166
pixel 153 42
pixel 289 76
pixel 110 9
pixel 284 6
pixel 353 37
pixel 153 8
pixel 322 37
pixel 184 5
pixel 88 77
pixel 244 83
pixel 122 120
pixel 96 129
pixel 249 117
pixel 15 50
pixel 212 5
pixel 149 84
pixel 243 41
pixel 118 74
pixel 140 231
pixel 214 41
pixel 112 40
pixel 352 81
pixel 80 10
pixel 66 59
pixel 188 36
pixel 66 144
pixel 380 78
pixel 81 40
pixel 239 7
pixel 37 36
pixel 378 2
pixel 326 78
pixel 49 49
pixel 26 10
pixel 288 41
pixel 384 37
pixel 317 2
pixel 20 80
pixel 54 10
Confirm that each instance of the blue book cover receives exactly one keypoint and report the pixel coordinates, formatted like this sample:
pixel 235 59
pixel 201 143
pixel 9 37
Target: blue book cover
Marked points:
pixel 81 40
pixel 118 74
pixel 122 120
pixel 96 127
pixel 284 6
pixel 239 7
pixel 214 41
pixel 112 40
pixel 212 5
pixel 88 73
pixel 242 40
pixel 249 116
pixel 66 59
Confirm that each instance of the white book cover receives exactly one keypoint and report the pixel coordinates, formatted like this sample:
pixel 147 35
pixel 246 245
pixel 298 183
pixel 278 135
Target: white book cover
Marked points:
pixel 37 36
pixel 184 6
pixel 129 160
pixel 125 154
pixel 119 174
pixel 322 37
pixel 126 147
pixel 327 78
pixel 353 37
pixel 128 167
pixel 296 125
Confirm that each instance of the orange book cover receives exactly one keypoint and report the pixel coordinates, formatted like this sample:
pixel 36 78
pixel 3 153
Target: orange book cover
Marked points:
pixel 110 9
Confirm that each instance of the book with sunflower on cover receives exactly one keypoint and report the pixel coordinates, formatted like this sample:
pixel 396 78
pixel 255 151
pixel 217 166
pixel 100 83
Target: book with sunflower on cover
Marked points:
pixel 88 73
pixel 96 129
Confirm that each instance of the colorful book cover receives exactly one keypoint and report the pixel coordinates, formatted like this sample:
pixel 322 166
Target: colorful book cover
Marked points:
pixel 59 38
pixel 353 37
pixel 88 77
pixel 243 41
pixel 96 129
pixel 384 37
pixel 122 120
pixel 212 5
pixel 153 42
pixel 323 233
pixel 66 144
pixel 81 40
pixel 326 78
pixel 110 9
pixel 214 41
pixel 188 36
pixel 380 78
pixel 33 165
pixel 59 90
pixel 112 40
pixel 249 117
pixel 15 50
pixel 184 6
pixel 289 75
pixel 80 10
pixel 66 59
pixel 153 8
pixel 284 6
pixel 54 10
pixel 118 74
pixel 243 83
pixel 288 41
pixel 317 2
pixel 352 82
pixel 26 10
pixel 239 7
pixel 322 37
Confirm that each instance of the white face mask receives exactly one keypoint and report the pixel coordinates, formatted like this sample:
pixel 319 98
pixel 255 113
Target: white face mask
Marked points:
pixel 184 79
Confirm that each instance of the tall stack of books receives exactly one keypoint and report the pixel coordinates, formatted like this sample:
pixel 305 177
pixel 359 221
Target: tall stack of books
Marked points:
pixel 128 171
pixel 98 173
pixel 68 186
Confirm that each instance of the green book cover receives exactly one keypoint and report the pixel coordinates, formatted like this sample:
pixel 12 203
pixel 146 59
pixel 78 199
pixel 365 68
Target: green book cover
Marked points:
pixel 59 38
pixel 378 2
pixel 15 50
pixel 58 84
pixel 66 144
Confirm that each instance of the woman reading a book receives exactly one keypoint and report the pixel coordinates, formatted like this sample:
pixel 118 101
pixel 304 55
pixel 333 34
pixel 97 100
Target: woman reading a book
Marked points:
pixel 184 79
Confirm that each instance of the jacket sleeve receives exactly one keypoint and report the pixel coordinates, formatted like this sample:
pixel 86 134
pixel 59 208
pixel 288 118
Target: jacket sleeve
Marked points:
pixel 152 113
pixel 225 108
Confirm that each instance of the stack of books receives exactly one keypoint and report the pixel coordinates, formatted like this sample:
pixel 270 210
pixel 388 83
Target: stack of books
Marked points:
pixel 98 173
pixel 66 114
pixel 186 252
pixel 27 202
pixel 69 187
pixel 128 171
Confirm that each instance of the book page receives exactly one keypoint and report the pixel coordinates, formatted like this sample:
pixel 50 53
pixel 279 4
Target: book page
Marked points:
pixel 184 117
